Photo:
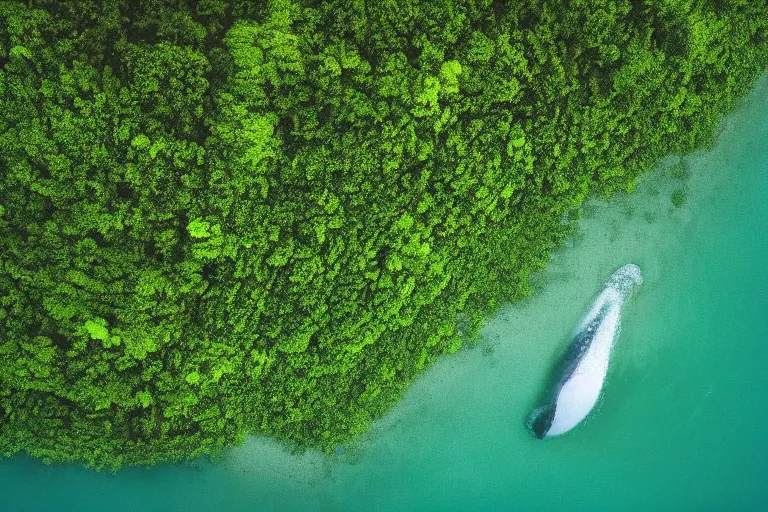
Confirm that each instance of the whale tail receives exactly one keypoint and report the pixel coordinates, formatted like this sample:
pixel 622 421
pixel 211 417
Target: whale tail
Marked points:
pixel 540 420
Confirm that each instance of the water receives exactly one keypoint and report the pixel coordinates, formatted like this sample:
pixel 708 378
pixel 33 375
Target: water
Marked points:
pixel 681 425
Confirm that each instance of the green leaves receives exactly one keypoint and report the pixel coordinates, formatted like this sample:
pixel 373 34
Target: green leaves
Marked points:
pixel 449 77
pixel 19 52
pixel 97 329
pixel 405 222
pixel 199 228
pixel 281 255
pixel 144 398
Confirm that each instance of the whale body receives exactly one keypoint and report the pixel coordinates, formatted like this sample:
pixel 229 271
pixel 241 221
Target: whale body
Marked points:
pixel 582 370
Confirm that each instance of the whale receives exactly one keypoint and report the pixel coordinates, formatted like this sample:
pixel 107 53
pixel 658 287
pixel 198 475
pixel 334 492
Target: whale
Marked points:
pixel 578 378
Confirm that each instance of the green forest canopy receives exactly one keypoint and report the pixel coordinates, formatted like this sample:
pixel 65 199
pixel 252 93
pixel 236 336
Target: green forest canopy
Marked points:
pixel 222 217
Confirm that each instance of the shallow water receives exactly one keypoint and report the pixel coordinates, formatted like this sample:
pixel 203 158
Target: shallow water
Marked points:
pixel 680 426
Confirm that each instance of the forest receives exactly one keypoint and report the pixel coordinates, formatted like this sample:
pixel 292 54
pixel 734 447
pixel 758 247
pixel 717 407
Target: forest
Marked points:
pixel 229 217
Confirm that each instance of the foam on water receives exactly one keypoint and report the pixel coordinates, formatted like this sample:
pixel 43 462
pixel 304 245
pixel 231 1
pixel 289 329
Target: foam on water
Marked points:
pixel 580 392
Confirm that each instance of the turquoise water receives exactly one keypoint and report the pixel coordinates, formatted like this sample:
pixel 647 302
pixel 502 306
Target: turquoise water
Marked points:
pixel 681 425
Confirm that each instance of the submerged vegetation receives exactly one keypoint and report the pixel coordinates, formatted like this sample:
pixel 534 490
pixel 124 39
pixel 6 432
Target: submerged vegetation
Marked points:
pixel 221 217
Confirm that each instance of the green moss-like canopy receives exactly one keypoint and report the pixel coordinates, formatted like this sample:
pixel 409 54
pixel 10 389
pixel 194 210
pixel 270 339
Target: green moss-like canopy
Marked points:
pixel 220 217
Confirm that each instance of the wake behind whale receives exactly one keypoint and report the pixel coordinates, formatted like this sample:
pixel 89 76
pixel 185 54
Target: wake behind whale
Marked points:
pixel 580 376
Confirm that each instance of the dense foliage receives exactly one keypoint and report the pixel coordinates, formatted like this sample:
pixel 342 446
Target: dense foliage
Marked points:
pixel 220 217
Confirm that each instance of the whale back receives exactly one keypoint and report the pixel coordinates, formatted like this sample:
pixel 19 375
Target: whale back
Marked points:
pixel 541 419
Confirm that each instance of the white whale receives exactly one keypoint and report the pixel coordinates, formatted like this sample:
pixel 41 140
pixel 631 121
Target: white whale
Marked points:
pixel 582 371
